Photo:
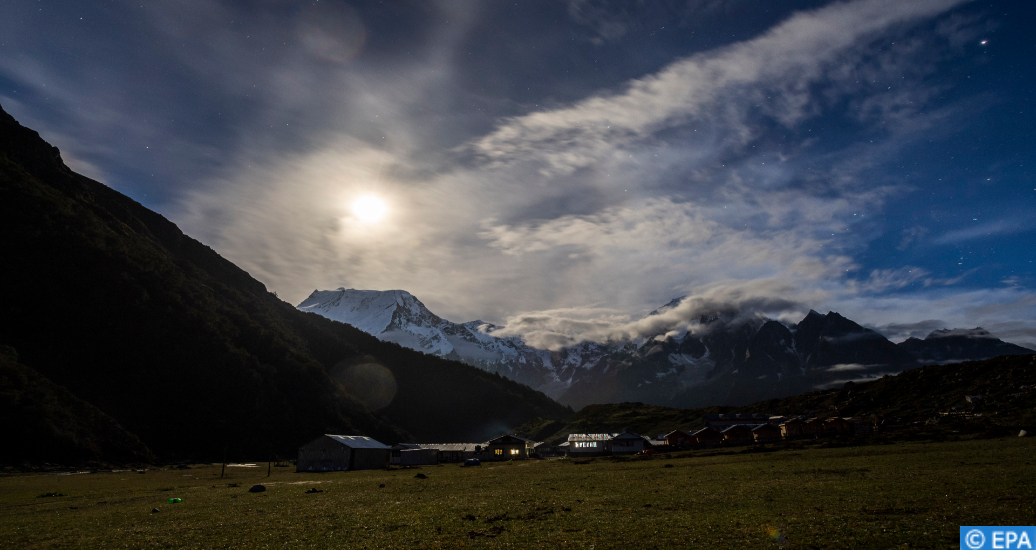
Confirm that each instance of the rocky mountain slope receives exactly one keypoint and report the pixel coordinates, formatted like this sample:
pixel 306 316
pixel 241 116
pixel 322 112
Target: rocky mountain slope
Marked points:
pixel 184 350
pixel 942 346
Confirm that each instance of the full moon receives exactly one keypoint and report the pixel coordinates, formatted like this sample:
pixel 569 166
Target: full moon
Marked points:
pixel 369 208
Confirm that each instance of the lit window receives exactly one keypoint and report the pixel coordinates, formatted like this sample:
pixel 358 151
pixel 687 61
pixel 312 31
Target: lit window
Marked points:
pixel 499 451
pixel 514 451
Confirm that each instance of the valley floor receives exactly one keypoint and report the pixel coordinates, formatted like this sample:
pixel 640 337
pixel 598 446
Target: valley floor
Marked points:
pixel 912 495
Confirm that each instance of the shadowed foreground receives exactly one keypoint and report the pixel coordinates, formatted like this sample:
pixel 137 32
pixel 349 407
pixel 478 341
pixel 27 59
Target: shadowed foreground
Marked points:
pixel 851 497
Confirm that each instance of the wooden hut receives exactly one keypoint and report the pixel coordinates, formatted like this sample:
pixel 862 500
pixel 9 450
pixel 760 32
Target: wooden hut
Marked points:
pixel 738 434
pixel 509 447
pixel 627 443
pixel 792 428
pixel 329 453
pixel 837 426
pixel 678 438
pixel 411 454
pixel 455 452
pixel 766 432
pixel 707 437
pixel 813 426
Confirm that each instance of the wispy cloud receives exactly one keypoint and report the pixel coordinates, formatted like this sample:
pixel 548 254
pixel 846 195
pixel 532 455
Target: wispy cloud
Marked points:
pixel 710 177
pixel 982 230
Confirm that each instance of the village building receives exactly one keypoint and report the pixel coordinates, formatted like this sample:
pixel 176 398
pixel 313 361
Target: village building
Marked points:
pixel 707 437
pixel 766 432
pixel 588 444
pixel 813 427
pixel 546 450
pixel 627 443
pixel 329 453
pixel 837 426
pixel 792 428
pixel 678 438
pixel 509 447
pixel 738 434
pixel 411 454
pixel 455 452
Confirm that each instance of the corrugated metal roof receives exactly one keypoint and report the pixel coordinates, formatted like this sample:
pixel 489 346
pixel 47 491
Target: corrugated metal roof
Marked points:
pixel 741 426
pixel 511 436
pixel 627 435
pixel 591 437
pixel 358 441
pixel 464 447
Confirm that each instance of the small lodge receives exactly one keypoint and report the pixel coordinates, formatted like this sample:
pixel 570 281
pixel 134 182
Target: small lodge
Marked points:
pixel 792 428
pixel 546 450
pixel 331 453
pixel 589 444
pixel 509 447
pixel 678 438
pixel 626 443
pixel 813 426
pixel 738 434
pixel 838 426
pixel 708 437
pixel 455 452
pixel 411 454
pixel 766 432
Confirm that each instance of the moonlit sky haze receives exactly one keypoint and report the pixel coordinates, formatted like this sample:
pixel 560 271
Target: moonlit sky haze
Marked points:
pixel 564 167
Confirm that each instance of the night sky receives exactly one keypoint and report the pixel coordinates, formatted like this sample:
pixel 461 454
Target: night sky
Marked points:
pixel 568 165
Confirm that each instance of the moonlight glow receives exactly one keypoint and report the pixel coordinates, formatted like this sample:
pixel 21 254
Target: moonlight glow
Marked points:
pixel 369 209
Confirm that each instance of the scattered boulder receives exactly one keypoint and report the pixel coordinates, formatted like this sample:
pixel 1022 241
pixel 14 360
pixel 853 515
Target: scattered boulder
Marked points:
pixel 315 490
pixel 1023 433
pixel 154 510
pixel 420 476
pixel 257 489
pixel 382 486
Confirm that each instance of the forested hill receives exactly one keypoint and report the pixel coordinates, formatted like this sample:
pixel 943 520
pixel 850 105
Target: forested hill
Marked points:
pixel 185 350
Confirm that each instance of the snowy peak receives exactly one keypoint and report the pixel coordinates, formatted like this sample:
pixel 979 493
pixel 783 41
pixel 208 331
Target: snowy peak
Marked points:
pixel 372 311
pixel 398 316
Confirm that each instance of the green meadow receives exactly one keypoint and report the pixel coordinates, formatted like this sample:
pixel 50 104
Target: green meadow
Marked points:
pixel 904 495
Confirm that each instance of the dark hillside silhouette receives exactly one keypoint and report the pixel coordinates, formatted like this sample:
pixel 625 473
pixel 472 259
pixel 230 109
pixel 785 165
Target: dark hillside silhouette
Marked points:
pixel 187 351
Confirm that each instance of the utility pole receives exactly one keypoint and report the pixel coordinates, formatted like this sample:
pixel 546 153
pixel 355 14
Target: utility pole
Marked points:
pixel 224 470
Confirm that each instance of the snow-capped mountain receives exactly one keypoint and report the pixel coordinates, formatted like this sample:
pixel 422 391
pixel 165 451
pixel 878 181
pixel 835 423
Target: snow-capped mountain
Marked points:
pixel 398 316
pixel 727 359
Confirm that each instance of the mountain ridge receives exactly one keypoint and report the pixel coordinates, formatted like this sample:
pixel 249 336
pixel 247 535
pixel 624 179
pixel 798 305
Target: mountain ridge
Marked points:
pixel 717 362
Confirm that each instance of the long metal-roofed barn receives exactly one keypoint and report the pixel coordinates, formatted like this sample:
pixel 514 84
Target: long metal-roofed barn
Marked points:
pixel 329 453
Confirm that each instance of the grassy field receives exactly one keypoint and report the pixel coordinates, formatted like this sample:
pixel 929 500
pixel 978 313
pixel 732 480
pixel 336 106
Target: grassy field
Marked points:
pixel 908 495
